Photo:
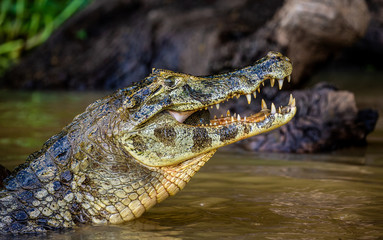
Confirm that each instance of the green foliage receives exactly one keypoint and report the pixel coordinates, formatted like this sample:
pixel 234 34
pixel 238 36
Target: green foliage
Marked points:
pixel 24 24
pixel 81 34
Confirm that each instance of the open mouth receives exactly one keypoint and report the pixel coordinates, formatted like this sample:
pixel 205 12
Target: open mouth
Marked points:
pixel 201 117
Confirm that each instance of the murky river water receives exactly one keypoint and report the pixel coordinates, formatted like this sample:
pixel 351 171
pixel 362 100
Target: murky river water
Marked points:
pixel 234 196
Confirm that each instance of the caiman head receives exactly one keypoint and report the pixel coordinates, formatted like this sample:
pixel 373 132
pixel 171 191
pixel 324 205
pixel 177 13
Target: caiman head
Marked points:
pixel 171 116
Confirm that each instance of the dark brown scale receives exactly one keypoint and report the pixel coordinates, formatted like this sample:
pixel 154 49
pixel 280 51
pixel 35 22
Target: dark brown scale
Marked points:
pixel 198 118
pixel 201 139
pixel 228 133
pixel 166 134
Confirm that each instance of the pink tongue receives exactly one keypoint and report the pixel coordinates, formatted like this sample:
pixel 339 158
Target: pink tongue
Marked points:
pixel 181 116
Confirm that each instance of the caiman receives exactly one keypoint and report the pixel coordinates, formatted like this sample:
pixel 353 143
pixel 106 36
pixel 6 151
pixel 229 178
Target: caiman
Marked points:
pixel 136 147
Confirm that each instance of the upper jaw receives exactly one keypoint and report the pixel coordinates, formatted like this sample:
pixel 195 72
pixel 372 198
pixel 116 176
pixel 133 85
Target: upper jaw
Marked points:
pixel 217 89
pixel 208 92
pixel 229 118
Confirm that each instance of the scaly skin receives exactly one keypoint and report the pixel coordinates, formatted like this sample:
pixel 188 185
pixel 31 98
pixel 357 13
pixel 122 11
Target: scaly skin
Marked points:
pixel 134 148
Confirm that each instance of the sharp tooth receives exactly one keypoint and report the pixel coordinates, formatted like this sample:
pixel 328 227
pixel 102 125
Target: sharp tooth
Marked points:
pixel 280 110
pixel 272 82
pixel 291 99
pixel 248 96
pixel 244 119
pixel 228 113
pixel 280 83
pixel 238 118
pixel 238 96
pixel 293 102
pixel 259 90
pixel 215 116
pixel 289 78
pixel 273 110
pixel 232 119
pixel 205 108
pixel 217 105
pixel 263 104
pixel 235 114
pixel 221 115
pixel 263 83
pixel 255 95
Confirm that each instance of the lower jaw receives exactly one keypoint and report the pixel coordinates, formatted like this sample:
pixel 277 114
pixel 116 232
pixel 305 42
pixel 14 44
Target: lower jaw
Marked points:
pixel 203 118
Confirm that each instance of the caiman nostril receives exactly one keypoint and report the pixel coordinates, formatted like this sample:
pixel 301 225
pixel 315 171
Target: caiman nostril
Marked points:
pixel 273 54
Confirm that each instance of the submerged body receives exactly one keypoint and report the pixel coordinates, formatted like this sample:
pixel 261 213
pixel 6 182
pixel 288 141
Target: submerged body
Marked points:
pixel 135 148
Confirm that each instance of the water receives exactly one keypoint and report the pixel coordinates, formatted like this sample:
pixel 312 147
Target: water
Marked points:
pixel 335 195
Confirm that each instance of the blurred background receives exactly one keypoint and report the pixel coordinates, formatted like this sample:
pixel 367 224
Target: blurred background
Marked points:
pixel 69 47
pixel 84 44
pixel 102 45
pixel 58 56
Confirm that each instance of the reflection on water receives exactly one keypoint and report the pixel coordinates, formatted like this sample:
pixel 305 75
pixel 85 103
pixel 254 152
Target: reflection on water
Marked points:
pixel 28 119
pixel 234 196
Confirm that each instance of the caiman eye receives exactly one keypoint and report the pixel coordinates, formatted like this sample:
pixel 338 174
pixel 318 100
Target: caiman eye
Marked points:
pixel 170 82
